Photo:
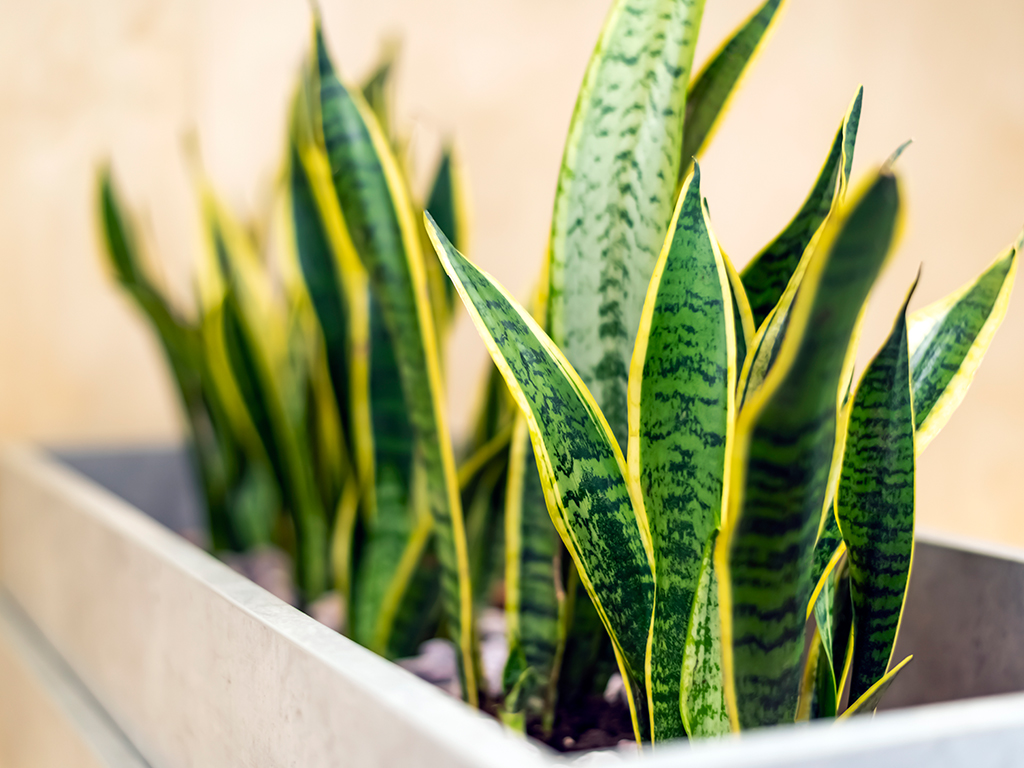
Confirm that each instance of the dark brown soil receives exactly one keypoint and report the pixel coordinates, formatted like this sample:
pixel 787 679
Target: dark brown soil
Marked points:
pixel 594 725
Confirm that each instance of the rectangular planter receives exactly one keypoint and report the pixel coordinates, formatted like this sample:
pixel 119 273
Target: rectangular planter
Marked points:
pixel 196 666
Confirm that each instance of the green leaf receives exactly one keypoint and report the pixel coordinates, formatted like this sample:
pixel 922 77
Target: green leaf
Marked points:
pixel 876 505
pixel 251 335
pixel 376 207
pixel 785 437
pixel 378 86
pixel 711 90
pixel 833 616
pixel 768 274
pixel 484 502
pixel 949 338
pixel 869 702
pixel 681 417
pixel 533 594
pixel 702 688
pixel 217 455
pixel 616 190
pixel 446 203
pixel 827 550
pixel 743 318
pixel 581 468
pixel 367 386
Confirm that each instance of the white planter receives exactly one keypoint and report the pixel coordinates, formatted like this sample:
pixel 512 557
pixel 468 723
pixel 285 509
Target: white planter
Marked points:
pixel 176 660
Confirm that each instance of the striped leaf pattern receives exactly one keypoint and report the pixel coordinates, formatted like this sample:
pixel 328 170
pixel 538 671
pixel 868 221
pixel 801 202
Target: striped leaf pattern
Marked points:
pixel 616 189
pixel 785 437
pixel 702 687
pixel 682 402
pixel 833 617
pixel 710 91
pixel 446 203
pixel 580 465
pixel 828 548
pixel 258 371
pixel 533 594
pixel 770 271
pixel 869 702
pixel 949 338
pixel 377 210
pixel 876 505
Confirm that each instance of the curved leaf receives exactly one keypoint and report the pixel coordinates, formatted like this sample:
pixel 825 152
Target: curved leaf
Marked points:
pixel 768 273
pixel 581 467
pixel 785 437
pixel 711 90
pixel 218 457
pixel 875 505
pixel 949 338
pixel 616 190
pixel 869 702
pixel 682 391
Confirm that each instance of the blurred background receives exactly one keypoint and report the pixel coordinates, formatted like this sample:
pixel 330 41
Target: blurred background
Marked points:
pixel 126 79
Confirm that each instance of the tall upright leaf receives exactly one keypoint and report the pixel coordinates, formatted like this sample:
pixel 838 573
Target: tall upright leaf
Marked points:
pixel 710 91
pixel 581 468
pixel 702 685
pixel 875 505
pixel 533 594
pixel 379 215
pixel 784 442
pixel 770 271
pixel 250 334
pixel 949 338
pixel 616 190
pixel 681 416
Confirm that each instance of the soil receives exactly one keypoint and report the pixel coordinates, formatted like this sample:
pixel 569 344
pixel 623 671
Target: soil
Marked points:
pixel 597 724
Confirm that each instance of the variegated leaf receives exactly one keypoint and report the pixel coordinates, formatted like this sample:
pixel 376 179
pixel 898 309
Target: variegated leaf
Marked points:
pixel 768 274
pixel 616 190
pixel 949 338
pixel 581 467
pixel 682 393
pixel 376 207
pixel 868 703
pixel 710 91
pixel 784 442
pixel 875 505
pixel 702 688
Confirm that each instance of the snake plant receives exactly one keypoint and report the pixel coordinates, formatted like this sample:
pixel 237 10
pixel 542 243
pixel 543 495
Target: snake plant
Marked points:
pixel 708 484
pixel 321 399
pixel 709 462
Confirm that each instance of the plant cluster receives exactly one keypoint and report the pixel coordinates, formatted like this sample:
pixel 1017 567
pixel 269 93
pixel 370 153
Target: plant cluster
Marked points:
pixel 708 479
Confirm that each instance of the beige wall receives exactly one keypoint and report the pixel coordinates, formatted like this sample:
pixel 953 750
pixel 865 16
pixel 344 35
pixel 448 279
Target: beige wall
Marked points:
pixel 127 77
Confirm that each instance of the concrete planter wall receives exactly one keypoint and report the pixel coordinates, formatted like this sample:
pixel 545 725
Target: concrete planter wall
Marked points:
pixel 123 644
